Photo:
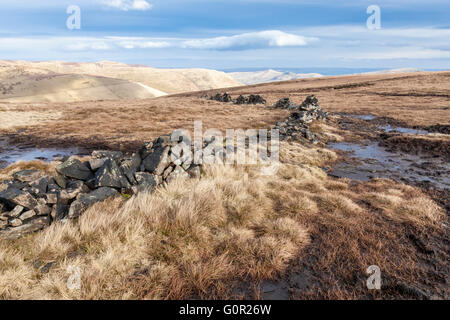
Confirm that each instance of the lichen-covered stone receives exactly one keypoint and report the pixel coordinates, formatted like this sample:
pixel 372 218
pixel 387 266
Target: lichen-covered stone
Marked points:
pixel 74 168
pixel 18 197
pixel 109 175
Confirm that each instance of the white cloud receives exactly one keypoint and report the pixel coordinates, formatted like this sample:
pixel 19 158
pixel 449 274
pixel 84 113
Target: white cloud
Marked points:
pixel 405 53
pixel 144 44
pixel 251 40
pixel 125 5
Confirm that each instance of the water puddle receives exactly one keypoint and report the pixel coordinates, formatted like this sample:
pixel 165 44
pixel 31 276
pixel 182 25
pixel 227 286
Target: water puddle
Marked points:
pixel 11 155
pixel 388 128
pixel 373 161
pixel 367 117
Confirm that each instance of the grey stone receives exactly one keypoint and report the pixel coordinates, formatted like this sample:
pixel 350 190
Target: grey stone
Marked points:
pixel 16 212
pixel 15 222
pixel 31 226
pixel 109 175
pixel 60 180
pixel 130 166
pixel 59 212
pixel 40 185
pixel 178 172
pixel 89 199
pixel 74 168
pixel 285 103
pixel 96 164
pixel 145 150
pixel 42 210
pixel 18 197
pixel 27 175
pixel 146 181
pixel 114 155
pixel 27 215
pixel 158 161
pixel 51 198
pixel 3 224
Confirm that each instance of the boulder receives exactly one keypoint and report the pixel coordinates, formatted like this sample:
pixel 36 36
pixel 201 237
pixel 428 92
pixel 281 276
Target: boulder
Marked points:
pixel 241 100
pixel 60 180
pixel 310 103
pixel 89 199
pixel 114 155
pixel 40 185
pixel 74 188
pixel 31 226
pixel 145 150
pixel 74 168
pixel 130 166
pixel 42 210
pixel 16 212
pixel 158 161
pixel 18 197
pixel 146 181
pixel 109 175
pixel 51 198
pixel 15 222
pixel 96 163
pixel 285 103
pixel 3 224
pixel 178 172
pixel 27 175
pixel 256 99
pixel 27 215
pixel 59 212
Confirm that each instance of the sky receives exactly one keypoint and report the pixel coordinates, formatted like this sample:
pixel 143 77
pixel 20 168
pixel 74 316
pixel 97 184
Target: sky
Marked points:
pixel 230 34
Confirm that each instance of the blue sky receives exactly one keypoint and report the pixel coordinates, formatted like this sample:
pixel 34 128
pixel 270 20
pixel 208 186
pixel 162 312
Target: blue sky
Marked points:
pixel 231 34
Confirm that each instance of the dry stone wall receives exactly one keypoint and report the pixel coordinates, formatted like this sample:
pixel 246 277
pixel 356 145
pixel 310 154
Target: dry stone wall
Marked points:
pixel 33 200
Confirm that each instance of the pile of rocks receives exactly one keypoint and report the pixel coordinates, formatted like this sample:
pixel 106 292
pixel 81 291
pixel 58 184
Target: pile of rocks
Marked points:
pixel 296 126
pixel 225 97
pixel 33 200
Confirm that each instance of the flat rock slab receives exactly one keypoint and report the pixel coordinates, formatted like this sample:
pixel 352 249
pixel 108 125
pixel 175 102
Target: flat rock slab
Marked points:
pixel 18 197
pixel 27 175
pixel 115 155
pixel 31 226
pixel 86 200
pixel 74 168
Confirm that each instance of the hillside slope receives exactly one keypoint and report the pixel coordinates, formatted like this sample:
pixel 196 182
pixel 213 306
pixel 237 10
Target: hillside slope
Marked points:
pixel 66 82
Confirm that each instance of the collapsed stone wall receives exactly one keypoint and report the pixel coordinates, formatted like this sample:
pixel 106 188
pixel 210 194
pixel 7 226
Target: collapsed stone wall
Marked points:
pixel 33 200
pixel 225 97
pixel 296 126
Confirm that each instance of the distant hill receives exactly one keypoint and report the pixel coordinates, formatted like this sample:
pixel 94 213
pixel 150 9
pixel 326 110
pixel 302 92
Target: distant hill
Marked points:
pixel 54 81
pixel 270 75
pixel 266 76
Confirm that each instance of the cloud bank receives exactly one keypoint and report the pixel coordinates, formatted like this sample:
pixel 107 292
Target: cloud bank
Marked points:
pixel 125 5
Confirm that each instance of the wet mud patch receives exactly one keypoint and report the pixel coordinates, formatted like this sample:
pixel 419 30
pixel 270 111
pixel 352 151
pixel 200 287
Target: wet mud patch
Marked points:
pixel 438 146
pixel 371 160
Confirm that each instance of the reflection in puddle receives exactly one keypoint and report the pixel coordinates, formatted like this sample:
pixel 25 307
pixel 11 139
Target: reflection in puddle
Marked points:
pixel 10 156
pixel 389 128
pixel 367 117
pixel 376 162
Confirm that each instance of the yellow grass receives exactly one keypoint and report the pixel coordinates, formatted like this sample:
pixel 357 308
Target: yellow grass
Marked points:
pixel 201 237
